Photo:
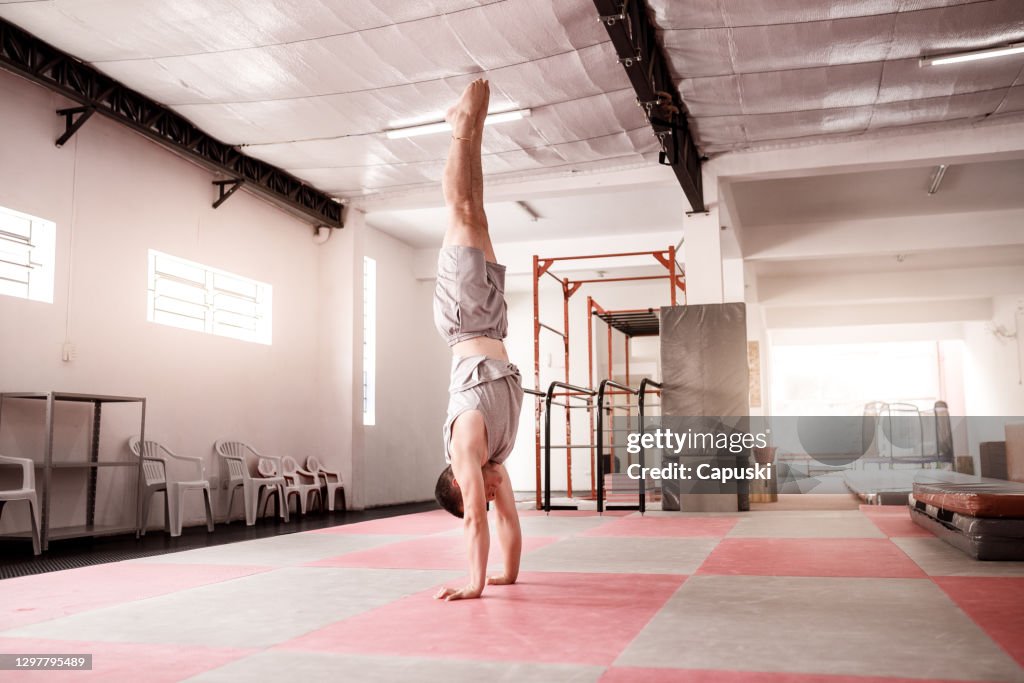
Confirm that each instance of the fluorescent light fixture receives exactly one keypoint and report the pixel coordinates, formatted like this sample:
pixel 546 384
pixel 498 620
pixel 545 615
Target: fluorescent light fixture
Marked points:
pixel 940 173
pixel 443 126
pixel 955 58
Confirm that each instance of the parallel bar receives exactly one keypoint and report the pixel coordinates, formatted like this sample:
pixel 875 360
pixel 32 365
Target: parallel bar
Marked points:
pixel 641 405
pixel 600 436
pixel 547 435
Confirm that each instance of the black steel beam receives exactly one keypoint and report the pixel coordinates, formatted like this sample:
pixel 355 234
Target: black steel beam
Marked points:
pixel 633 36
pixel 24 54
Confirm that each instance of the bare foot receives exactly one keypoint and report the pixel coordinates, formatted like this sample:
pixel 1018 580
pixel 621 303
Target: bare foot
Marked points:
pixel 467 115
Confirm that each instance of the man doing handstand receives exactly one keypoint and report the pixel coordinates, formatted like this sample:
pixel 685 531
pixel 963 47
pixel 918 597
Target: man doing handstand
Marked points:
pixel 485 394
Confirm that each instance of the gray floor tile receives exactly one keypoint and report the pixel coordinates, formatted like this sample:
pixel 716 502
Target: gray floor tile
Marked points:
pixel 278 551
pixel 783 524
pixel 543 525
pixel 313 667
pixel 253 611
pixel 621 555
pixel 938 558
pixel 881 627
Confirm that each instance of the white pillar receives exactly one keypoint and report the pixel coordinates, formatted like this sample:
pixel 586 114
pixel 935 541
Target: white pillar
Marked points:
pixel 702 258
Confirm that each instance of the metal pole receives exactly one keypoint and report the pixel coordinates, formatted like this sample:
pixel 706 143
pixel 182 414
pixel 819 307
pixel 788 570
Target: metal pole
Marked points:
pixel 44 530
pixel 568 415
pixel 672 273
pixel 611 375
pixel 600 448
pixel 547 450
pixel 590 383
pixel 536 368
pixel 644 383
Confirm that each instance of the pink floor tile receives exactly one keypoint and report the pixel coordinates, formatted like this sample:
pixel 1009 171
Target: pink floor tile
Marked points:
pixel 898 526
pixel 641 675
pixel 893 520
pixel 665 527
pixel 996 604
pixel 546 617
pixel 420 523
pixel 31 599
pixel 884 510
pixel 430 552
pixel 854 557
pixel 121 661
pixel 575 513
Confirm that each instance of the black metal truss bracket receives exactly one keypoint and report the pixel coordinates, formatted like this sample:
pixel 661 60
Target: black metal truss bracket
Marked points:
pixel 27 56
pixel 224 194
pixel 633 36
pixel 71 124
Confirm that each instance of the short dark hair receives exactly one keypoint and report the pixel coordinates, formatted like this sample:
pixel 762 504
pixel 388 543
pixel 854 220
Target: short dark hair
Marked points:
pixel 448 495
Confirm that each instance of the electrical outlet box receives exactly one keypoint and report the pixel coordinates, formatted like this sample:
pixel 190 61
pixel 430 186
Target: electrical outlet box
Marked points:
pixel 68 353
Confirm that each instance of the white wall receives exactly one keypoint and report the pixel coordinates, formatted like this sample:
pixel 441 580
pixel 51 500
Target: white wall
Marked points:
pixel 114 196
pixel 403 452
pixel 992 379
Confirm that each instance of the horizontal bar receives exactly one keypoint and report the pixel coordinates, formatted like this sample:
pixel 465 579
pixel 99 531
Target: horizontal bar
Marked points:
pixel 572 387
pixel 621 279
pixel 630 253
pixel 626 310
pixel 568 446
pixel 534 392
pixel 548 327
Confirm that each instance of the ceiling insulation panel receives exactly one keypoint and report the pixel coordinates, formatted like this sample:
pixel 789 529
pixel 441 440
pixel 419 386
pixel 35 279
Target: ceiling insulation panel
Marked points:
pixel 780 71
pixel 311 86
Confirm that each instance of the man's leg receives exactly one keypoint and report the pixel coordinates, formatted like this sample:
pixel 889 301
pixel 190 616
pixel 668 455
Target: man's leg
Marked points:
pixel 463 180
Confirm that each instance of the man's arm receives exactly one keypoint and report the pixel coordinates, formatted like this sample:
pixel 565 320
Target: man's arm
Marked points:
pixel 510 535
pixel 468 445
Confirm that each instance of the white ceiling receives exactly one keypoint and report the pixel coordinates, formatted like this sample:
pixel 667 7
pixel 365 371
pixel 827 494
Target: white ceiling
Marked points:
pixel 936 259
pixel 980 186
pixel 774 71
pixel 310 85
pixel 615 211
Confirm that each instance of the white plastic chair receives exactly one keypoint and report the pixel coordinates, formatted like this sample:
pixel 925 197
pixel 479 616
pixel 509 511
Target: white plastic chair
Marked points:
pixel 255 490
pixel 27 491
pixel 154 467
pixel 301 483
pixel 331 482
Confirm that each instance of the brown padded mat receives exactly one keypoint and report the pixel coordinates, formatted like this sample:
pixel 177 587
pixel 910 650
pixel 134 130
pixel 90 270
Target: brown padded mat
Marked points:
pixel 982 499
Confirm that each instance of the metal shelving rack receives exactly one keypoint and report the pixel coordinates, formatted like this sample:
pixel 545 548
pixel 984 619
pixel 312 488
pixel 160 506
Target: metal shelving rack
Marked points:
pixel 90 528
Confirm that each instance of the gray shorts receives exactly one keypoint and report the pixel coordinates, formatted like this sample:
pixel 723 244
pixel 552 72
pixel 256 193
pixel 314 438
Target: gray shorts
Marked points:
pixel 469 298
pixel 494 387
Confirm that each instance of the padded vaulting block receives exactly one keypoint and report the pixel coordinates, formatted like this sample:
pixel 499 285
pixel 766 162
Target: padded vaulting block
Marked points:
pixel 705 374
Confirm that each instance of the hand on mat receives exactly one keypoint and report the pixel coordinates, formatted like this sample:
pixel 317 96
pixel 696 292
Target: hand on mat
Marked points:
pixel 499 580
pixel 449 594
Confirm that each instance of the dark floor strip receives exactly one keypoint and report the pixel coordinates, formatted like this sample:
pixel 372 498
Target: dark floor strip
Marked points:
pixel 16 557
